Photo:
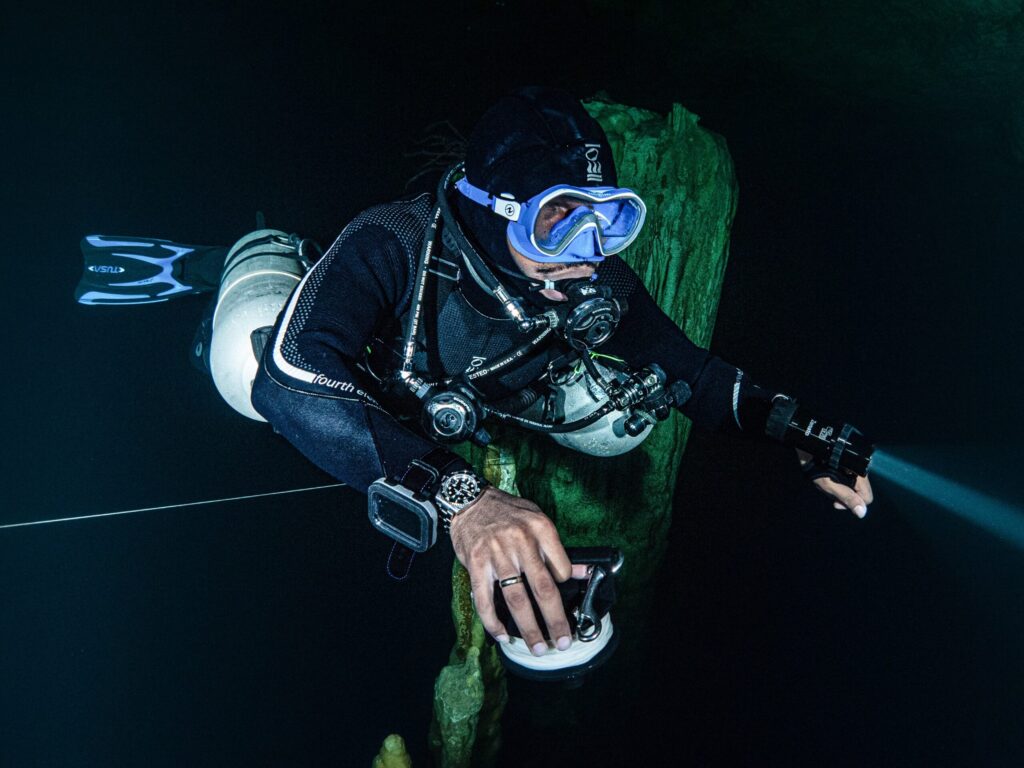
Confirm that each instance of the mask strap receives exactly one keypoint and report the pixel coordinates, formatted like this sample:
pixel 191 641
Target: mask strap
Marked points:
pixel 504 204
pixel 474 262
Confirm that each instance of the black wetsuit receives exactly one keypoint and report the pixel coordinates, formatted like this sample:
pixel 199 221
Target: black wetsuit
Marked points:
pixel 313 389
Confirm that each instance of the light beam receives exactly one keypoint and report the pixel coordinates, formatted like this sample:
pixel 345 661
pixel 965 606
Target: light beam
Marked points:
pixel 981 510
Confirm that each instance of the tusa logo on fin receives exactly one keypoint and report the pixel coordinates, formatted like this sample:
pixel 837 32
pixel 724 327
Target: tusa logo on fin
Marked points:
pixel 106 269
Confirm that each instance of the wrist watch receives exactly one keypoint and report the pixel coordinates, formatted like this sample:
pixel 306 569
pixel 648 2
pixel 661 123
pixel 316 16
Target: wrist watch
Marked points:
pixel 457 491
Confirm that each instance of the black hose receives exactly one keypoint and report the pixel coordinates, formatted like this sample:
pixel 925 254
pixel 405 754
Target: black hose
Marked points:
pixel 517 355
pixel 539 426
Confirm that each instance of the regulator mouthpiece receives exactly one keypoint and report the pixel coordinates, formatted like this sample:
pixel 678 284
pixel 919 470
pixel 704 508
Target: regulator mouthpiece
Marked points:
pixel 587 603
pixel 841 448
pixel 595 315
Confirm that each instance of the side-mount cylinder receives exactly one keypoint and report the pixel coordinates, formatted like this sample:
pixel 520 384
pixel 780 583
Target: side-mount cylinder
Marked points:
pixel 260 273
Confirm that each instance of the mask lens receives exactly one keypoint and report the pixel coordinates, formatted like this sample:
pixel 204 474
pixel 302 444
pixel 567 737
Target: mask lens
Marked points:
pixel 559 217
pixel 601 226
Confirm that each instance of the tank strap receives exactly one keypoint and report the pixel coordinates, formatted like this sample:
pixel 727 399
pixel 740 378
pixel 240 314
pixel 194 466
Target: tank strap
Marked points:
pixel 259 339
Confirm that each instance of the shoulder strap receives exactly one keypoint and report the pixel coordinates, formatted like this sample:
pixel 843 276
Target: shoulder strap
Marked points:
pixel 445 273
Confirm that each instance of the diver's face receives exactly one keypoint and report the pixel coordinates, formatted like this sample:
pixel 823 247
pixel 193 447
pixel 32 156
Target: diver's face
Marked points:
pixel 550 215
pixel 545 270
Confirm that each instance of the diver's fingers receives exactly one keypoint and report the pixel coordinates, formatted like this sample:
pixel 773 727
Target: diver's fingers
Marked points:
pixel 549 599
pixel 550 546
pixel 482 589
pixel 863 487
pixel 844 495
pixel 580 570
pixel 518 601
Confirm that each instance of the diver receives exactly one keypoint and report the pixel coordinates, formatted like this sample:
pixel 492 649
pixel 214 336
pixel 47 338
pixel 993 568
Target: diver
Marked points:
pixel 430 317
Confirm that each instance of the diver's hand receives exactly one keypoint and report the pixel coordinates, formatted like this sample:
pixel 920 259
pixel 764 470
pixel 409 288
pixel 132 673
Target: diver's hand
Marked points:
pixel 500 536
pixel 855 499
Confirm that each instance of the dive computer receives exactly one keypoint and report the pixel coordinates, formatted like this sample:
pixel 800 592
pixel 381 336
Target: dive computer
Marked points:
pixel 409 509
pixel 403 515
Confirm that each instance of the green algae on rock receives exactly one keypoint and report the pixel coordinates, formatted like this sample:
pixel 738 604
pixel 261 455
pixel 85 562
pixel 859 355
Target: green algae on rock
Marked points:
pixel 392 754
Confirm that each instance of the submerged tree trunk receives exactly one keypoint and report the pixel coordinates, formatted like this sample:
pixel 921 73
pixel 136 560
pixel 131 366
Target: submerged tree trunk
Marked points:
pixel 685 175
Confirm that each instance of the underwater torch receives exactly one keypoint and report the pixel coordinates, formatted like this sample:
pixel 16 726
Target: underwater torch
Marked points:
pixel 840 448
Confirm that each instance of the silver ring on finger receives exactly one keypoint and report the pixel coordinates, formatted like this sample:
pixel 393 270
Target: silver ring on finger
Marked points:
pixel 510 581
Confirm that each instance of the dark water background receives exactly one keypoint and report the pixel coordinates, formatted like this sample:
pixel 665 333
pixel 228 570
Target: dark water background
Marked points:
pixel 874 272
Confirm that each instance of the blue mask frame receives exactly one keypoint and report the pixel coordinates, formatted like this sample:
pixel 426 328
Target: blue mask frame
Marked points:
pixel 602 221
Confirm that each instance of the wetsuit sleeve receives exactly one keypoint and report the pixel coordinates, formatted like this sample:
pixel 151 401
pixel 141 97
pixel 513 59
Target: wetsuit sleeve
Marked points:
pixel 723 399
pixel 309 387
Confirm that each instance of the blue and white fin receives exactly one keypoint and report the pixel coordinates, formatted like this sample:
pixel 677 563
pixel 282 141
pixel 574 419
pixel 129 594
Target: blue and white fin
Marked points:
pixel 143 270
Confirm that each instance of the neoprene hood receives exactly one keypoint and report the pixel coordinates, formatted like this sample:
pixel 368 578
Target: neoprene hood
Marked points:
pixel 530 140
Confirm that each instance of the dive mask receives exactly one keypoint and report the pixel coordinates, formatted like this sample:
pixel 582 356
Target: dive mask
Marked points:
pixel 566 223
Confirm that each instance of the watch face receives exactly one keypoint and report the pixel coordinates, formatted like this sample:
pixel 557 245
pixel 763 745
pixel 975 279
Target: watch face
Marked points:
pixel 460 489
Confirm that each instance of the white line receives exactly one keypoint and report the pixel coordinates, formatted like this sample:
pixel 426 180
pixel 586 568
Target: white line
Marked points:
pixel 171 506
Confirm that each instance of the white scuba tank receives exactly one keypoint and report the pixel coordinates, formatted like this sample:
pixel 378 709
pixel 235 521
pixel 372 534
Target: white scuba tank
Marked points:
pixel 260 272
pixel 579 395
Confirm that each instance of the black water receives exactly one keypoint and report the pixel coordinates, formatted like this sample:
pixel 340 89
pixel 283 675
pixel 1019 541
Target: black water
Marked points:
pixel 874 272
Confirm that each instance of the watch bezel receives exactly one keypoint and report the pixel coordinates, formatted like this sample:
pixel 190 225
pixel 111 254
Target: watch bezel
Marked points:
pixel 424 508
pixel 450 509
